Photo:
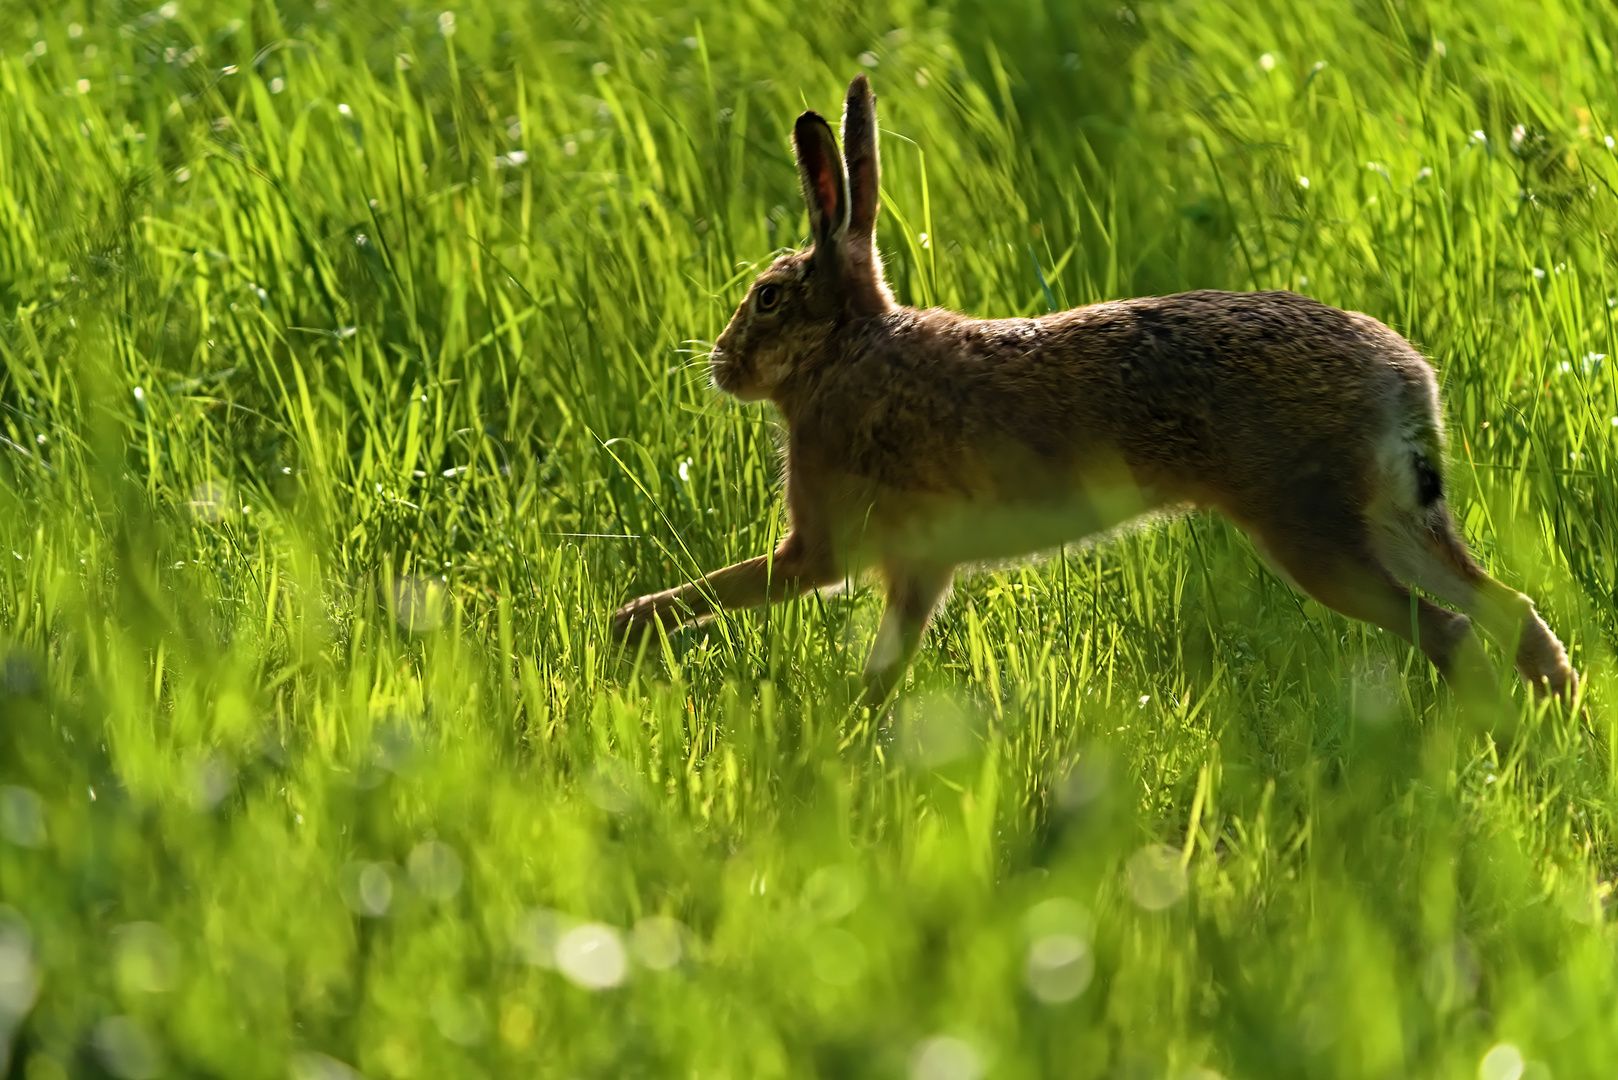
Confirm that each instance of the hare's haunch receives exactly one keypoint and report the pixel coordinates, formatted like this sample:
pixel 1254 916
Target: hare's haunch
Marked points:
pixel 921 440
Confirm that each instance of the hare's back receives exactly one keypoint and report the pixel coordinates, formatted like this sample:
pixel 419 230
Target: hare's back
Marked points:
pixel 1235 367
pixel 1204 392
pixel 1195 391
pixel 1266 391
pixel 1228 345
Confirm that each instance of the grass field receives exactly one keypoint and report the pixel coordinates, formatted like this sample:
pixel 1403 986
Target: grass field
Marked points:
pixel 351 373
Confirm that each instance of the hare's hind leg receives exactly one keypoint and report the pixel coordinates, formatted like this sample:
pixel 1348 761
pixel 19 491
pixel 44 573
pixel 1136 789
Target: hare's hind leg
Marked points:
pixel 1425 548
pixel 914 591
pixel 1336 563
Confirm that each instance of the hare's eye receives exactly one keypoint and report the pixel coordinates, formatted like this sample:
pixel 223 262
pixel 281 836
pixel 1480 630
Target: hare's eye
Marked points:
pixel 768 297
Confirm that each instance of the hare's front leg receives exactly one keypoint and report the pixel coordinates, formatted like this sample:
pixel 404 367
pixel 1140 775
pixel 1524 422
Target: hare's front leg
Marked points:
pixel 913 595
pixel 795 567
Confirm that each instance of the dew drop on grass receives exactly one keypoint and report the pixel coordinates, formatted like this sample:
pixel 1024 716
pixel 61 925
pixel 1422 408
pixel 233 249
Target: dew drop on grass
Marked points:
pixel 435 870
pixel 393 744
pixel 611 786
pixel 945 1057
pixel 210 501
pixel 22 816
pixel 418 603
pixel 517 1024
pixel 309 1065
pixel 536 933
pixel 833 892
pixel 1082 781
pixel 1058 915
pixel 145 959
pixel 1450 975
pixel 19 976
pixel 375 889
pixel 658 942
pixel 1503 1062
pixel 367 888
pixel 592 955
pixel 938 730
pixel 1156 879
pixel 1058 968
pixel 1059 963
pixel 459 1018
pixel 126 1050
pixel 1373 694
pixel 836 957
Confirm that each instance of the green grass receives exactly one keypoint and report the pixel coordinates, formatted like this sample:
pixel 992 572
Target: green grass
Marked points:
pixel 351 373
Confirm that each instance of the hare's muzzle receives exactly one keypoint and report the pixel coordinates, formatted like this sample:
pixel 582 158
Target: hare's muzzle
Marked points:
pixel 723 370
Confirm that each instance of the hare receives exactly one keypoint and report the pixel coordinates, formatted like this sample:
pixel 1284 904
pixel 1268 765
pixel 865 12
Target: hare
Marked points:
pixel 917 441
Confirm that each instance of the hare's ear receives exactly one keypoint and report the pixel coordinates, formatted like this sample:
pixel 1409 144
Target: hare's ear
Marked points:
pixel 825 184
pixel 864 165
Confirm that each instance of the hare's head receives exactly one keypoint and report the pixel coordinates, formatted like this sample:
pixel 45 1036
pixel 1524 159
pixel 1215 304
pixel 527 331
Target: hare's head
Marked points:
pixel 792 313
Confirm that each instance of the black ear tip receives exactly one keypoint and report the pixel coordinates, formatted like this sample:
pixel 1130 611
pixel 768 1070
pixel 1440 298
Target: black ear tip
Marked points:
pixel 808 121
pixel 860 87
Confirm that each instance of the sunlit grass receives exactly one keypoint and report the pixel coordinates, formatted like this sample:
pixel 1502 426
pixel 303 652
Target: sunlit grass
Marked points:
pixel 352 373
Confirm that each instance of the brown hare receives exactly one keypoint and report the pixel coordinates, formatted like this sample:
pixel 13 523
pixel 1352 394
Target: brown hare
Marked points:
pixel 921 440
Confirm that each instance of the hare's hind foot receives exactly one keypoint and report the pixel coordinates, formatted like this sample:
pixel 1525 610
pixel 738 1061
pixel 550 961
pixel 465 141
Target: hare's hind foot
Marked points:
pixel 1340 568
pixel 1426 549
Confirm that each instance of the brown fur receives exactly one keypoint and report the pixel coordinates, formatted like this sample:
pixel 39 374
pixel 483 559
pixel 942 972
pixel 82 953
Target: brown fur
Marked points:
pixel 921 440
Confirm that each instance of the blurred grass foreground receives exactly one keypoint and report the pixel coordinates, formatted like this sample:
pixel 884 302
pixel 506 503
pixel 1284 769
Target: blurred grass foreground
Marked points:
pixel 351 371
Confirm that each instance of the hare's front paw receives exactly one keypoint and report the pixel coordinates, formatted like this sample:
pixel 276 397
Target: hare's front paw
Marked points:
pixel 636 618
pixel 1560 682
